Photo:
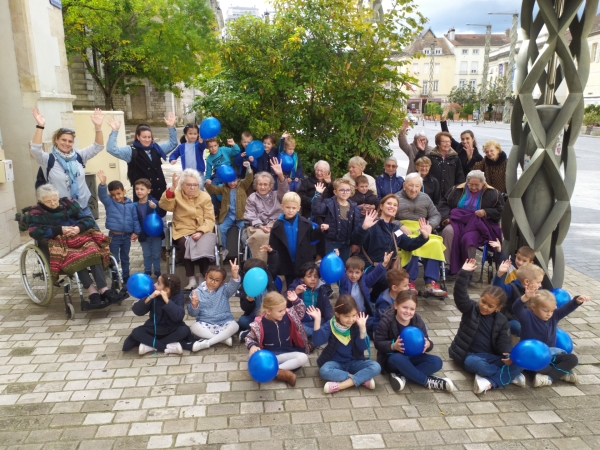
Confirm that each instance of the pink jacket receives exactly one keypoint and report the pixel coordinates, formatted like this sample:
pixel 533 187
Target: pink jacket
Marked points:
pixel 263 209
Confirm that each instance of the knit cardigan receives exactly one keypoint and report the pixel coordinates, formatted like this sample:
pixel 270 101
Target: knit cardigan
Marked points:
pixel 240 196
pixel 495 171
pixel 190 214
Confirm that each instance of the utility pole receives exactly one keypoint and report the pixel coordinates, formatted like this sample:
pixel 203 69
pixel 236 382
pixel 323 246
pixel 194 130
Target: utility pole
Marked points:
pixel 511 64
pixel 486 68
pixel 431 67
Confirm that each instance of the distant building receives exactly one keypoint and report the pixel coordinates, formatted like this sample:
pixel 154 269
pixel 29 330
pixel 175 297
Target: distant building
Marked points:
pixel 235 12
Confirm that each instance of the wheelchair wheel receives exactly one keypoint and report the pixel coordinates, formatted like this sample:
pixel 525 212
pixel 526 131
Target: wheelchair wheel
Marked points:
pixel 70 311
pixel 35 273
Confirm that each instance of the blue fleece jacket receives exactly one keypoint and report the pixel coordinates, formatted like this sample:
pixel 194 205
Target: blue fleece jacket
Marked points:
pixel 222 157
pixel 180 153
pixel 383 303
pixel 388 184
pixel 343 353
pixel 213 307
pixel 367 281
pixel 120 217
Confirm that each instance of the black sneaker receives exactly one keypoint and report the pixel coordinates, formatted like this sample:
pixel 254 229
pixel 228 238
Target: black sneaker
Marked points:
pixel 110 296
pixel 398 382
pixel 440 384
pixel 95 299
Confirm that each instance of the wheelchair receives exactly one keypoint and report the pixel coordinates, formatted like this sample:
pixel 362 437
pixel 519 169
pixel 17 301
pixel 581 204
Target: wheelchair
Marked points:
pixel 237 245
pixel 487 264
pixel 38 283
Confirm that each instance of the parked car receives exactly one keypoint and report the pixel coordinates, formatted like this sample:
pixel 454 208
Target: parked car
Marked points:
pixel 413 119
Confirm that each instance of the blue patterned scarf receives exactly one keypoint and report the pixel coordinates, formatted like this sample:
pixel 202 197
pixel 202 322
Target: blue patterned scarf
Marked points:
pixel 470 201
pixel 70 165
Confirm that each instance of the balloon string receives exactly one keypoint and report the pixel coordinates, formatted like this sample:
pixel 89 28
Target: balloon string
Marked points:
pixel 154 340
pixel 557 368
pixel 509 377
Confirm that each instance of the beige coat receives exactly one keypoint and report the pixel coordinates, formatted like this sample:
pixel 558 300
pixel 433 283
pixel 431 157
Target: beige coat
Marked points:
pixel 190 214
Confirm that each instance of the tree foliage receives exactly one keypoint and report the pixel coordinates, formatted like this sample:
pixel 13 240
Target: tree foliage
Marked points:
pixel 322 70
pixel 165 41
pixel 462 95
pixel 432 109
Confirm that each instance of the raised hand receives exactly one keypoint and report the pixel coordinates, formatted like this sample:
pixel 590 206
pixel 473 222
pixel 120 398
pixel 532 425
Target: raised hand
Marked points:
pixel 208 182
pixel 235 269
pixel 230 142
pixel 276 166
pixel 101 176
pixel 170 119
pixel 424 227
pixel 115 124
pixel 194 299
pixel 300 289
pixel 97 117
pixel 292 296
pixel 246 164
pixel 496 245
pixel 504 267
pixel 445 115
pixel 583 299
pixel 387 257
pixel 266 248
pixel 285 135
pixel 327 177
pixel 469 265
pixel 371 219
pixel 320 188
pixel 313 312
pixel 530 292
pixel 175 181
pixel 38 116
pixel 361 321
pixel 404 126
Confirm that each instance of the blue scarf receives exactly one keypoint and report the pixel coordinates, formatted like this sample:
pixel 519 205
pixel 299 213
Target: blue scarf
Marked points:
pixel 470 201
pixel 137 144
pixel 291 234
pixel 70 165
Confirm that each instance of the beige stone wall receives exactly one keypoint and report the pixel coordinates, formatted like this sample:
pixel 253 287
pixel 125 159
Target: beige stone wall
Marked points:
pixel 9 230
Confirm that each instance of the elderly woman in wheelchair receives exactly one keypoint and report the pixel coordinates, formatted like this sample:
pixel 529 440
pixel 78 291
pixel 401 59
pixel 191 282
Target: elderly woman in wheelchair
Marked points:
pixel 68 238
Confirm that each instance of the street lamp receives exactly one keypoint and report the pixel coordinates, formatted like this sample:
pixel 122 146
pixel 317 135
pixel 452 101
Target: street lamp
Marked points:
pixel 486 62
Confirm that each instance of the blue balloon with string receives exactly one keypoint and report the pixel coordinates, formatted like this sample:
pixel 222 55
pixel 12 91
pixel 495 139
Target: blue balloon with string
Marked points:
pixel 210 128
pixel 314 227
pixel 153 224
pixel 255 149
pixel 564 341
pixel 531 354
pixel 287 162
pixel 562 297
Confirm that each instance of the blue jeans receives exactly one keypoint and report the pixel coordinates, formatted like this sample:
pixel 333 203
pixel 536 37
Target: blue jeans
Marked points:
pixel 414 368
pixel 515 327
pixel 359 370
pixel 226 225
pixel 119 246
pixel 431 269
pixel 151 249
pixel 491 367
pixel 343 248
pixel 245 320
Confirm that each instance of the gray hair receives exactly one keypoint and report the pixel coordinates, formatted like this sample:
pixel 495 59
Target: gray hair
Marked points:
pixel 476 174
pixel 45 190
pixel 420 134
pixel 187 173
pixel 414 175
pixel 391 158
pixel 358 161
pixel 266 175
pixel 324 164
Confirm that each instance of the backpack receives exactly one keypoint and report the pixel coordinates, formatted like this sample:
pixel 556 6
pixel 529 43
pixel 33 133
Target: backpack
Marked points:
pixel 40 179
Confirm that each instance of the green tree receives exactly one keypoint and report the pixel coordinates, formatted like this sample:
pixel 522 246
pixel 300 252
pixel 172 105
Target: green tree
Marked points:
pixel 432 109
pixel 165 41
pixel 322 70
pixel 462 95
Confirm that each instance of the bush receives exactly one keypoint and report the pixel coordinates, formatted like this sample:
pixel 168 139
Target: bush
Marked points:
pixel 432 109
pixel 590 118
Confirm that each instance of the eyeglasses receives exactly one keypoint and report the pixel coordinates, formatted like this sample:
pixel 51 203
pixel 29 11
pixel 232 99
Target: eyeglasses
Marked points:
pixel 391 166
pixel 66 130
pixel 214 280
pixel 190 185
pixel 344 191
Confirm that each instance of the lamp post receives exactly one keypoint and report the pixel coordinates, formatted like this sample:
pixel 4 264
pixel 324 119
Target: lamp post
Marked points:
pixel 486 69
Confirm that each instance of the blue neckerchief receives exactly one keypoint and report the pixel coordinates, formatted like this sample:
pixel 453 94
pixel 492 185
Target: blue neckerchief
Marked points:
pixel 70 165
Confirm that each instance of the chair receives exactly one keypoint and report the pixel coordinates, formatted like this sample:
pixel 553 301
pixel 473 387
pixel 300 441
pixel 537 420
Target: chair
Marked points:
pixel 171 250
pixel 487 257
pixel 237 244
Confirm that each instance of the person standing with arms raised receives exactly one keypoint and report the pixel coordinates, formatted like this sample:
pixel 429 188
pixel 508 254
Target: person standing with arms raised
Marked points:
pixel 466 148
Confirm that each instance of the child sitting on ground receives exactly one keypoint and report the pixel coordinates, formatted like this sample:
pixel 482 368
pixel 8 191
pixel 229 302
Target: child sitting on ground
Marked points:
pixel 482 343
pixel 343 363
pixel 151 245
pixel 540 322
pixel 210 306
pixel 524 255
pixel 397 281
pixel 290 240
pixel 191 150
pixel 279 329
pixel 287 145
pixel 528 276
pixel 251 306
pixel 122 220
pixel 219 156
pixel 340 215
pixel 390 348
pixel 309 287
pixel 233 203
pixel 358 285
pixel 165 329
pixel 363 197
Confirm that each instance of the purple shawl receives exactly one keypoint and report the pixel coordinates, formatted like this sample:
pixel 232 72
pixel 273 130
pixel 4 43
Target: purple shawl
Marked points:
pixel 469 230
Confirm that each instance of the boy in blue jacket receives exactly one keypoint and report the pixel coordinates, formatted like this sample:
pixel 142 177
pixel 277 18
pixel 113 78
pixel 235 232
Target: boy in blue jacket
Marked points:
pixel 219 156
pixel 121 220
pixel 151 245
pixel 397 281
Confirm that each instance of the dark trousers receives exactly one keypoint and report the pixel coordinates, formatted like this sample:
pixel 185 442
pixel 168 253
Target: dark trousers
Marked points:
pixel 97 273
pixel 561 364
pixel 414 368
pixel 203 263
pixel 143 335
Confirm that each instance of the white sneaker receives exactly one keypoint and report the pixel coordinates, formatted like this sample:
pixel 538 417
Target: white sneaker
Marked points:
pixel 519 380
pixel 174 348
pixel 200 345
pixel 398 382
pixel 228 342
pixel 435 290
pixel 369 384
pixel 442 384
pixel 569 378
pixel 143 349
pixel 541 380
pixel 481 385
pixel 242 336
pixel 191 285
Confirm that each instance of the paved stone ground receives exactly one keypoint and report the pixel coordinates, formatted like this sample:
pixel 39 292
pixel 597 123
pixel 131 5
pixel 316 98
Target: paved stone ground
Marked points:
pixel 65 384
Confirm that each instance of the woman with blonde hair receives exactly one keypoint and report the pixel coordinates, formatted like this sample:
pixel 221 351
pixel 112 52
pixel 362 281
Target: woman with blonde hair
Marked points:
pixel 493 165
pixel 356 167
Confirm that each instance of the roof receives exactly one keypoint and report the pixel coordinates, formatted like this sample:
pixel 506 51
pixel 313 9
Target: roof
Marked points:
pixel 424 41
pixel 478 40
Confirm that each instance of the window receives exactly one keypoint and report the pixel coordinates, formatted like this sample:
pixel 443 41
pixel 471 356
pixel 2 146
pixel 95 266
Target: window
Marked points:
pixel 415 67
pixel 426 68
pixel 462 83
pixel 463 66
pixel 476 51
pixel 436 68
pixel 474 65
pixel 594 53
pixel 427 51
pixel 438 51
pixel 473 84
pixel 435 86
pixel 424 90
pixel 465 52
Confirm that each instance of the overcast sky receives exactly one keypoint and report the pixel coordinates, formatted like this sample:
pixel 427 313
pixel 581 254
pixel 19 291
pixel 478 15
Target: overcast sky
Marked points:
pixel 441 14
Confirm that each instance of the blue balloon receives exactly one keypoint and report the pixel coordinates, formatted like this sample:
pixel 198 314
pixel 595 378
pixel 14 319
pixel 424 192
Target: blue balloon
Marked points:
pixel 226 174
pixel 413 341
pixel 314 227
pixel 263 365
pixel 255 281
pixel 287 162
pixel 210 128
pixel 562 296
pixel 140 285
pixel 564 341
pixel 255 149
pixel 531 354
pixel 332 268
pixel 278 284
pixel 153 224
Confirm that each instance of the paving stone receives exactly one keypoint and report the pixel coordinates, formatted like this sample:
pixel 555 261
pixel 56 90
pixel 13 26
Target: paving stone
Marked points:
pixel 367 441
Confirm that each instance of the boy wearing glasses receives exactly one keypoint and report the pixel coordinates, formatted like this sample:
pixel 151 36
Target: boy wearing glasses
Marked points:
pixel 340 214
pixel 389 182
pixel 122 220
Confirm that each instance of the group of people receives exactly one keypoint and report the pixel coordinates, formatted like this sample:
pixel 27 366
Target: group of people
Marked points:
pixel 380 227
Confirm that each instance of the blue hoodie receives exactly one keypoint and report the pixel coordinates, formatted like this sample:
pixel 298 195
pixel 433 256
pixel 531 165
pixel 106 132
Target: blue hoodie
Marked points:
pixel 366 282
pixel 180 153
pixel 383 303
pixel 143 210
pixel 388 184
pixel 120 217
